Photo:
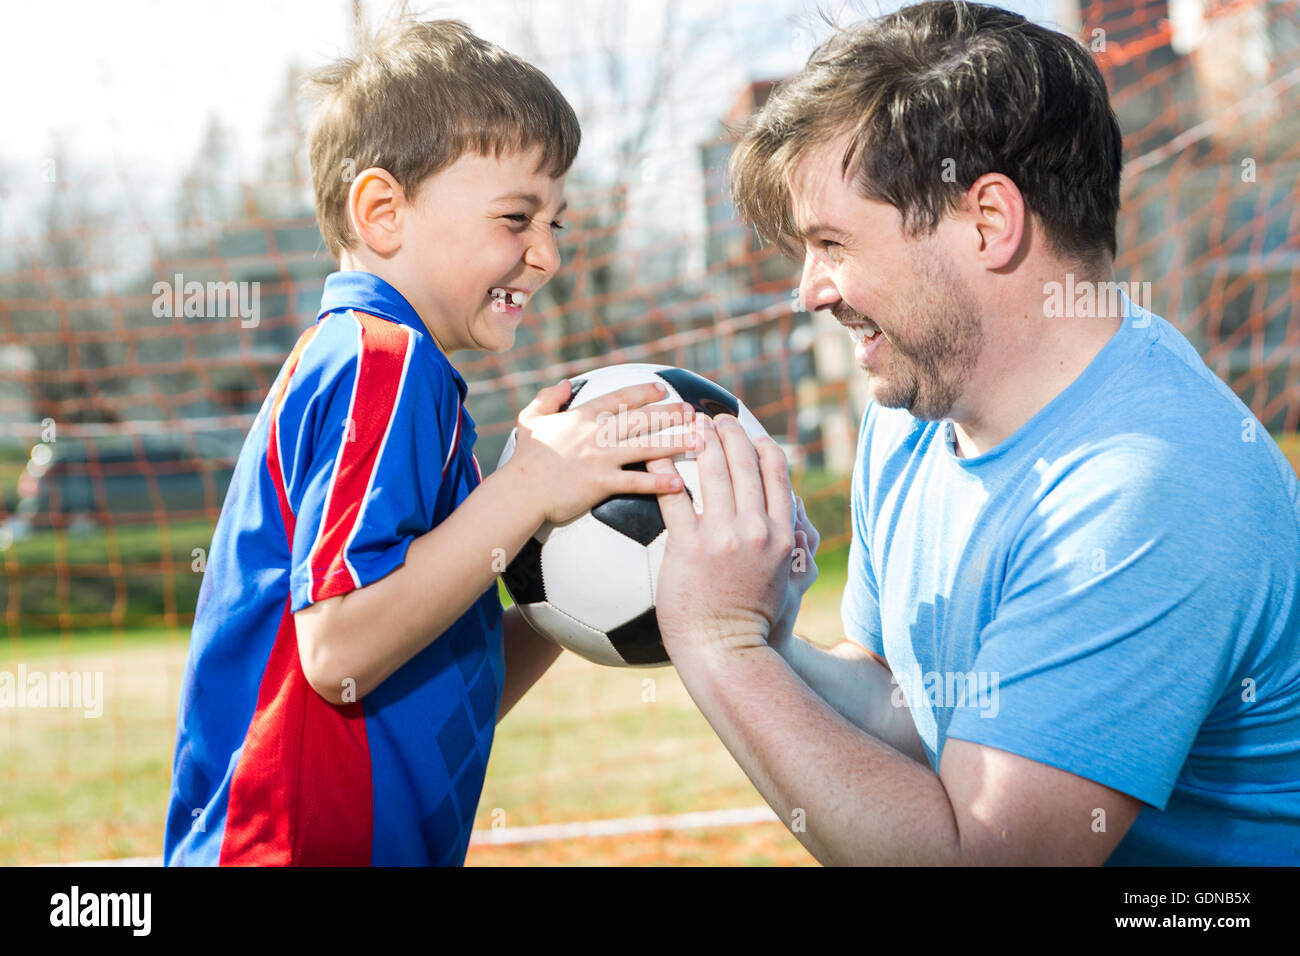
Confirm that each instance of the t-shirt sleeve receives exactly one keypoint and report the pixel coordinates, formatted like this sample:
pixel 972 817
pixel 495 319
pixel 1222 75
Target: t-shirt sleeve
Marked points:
pixel 860 605
pixel 1123 599
pixel 363 434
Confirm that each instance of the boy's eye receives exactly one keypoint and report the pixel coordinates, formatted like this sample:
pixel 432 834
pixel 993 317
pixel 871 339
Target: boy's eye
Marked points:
pixel 523 219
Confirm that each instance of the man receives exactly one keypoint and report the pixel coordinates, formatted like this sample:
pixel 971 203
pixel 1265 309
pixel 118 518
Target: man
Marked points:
pixel 1074 582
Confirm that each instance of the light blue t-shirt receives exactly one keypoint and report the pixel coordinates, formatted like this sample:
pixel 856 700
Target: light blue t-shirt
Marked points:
pixel 1113 590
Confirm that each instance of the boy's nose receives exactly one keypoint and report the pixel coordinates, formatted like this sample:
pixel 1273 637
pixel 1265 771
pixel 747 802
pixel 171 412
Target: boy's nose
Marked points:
pixel 543 252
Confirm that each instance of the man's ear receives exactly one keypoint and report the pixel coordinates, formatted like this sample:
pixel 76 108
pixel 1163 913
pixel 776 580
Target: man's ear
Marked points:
pixel 375 199
pixel 996 210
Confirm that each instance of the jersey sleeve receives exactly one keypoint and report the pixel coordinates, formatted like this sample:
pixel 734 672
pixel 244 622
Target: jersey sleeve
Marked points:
pixel 1125 597
pixel 860 605
pixel 364 436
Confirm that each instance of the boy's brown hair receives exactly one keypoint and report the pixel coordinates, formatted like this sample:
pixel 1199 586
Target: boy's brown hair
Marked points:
pixel 416 97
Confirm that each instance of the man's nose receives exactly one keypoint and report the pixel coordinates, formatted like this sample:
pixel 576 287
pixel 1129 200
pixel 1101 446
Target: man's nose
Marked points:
pixel 815 286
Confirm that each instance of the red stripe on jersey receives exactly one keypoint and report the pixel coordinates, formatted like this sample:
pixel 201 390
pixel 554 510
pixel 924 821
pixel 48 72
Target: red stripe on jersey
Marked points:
pixel 382 359
pixel 301 793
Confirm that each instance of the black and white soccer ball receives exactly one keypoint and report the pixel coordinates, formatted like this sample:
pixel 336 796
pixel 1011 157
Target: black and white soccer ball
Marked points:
pixel 589 584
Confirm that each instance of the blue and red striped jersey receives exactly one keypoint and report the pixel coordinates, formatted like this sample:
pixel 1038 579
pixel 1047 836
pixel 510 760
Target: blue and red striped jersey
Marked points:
pixel 362 445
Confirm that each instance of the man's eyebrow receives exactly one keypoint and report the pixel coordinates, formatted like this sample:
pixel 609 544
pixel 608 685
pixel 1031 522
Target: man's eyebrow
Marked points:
pixel 808 231
pixel 531 198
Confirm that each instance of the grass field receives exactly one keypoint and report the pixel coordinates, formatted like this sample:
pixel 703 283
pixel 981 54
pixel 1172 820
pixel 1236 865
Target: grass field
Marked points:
pixel 587 743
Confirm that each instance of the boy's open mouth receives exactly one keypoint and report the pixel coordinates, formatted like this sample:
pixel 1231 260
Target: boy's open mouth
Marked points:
pixel 503 298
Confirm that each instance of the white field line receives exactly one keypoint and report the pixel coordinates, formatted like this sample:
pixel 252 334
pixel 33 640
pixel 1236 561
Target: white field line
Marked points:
pixel 558 831
pixel 621 826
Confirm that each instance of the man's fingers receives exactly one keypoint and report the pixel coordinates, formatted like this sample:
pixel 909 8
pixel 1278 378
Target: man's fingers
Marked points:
pixel 776 482
pixel 715 479
pixel 743 465
pixel 675 505
pixel 806 527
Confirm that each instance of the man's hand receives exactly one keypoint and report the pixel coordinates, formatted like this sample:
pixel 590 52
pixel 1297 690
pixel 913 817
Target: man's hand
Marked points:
pixel 803 573
pixel 725 577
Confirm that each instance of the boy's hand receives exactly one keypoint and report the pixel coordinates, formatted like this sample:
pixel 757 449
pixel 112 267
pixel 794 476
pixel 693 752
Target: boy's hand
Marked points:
pixel 574 459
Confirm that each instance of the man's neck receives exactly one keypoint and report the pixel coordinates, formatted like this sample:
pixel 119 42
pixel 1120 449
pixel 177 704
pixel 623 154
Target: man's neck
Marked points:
pixel 1032 353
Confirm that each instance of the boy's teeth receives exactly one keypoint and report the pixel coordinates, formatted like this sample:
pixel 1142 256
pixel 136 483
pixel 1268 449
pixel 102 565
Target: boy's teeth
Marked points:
pixel 515 297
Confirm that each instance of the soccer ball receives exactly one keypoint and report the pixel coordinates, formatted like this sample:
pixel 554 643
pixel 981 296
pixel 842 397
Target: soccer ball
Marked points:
pixel 589 584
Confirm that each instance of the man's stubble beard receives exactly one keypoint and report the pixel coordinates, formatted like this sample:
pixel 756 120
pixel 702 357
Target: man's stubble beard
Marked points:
pixel 929 370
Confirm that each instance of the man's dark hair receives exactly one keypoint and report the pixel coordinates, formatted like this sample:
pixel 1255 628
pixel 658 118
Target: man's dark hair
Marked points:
pixel 931 98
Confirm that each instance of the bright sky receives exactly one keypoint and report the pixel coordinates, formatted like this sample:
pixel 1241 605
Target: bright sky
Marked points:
pixel 129 85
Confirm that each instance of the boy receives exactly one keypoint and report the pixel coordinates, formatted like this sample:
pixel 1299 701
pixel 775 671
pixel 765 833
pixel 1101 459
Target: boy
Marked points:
pixel 350 657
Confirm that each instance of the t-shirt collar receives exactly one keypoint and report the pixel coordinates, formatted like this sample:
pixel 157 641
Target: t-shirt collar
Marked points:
pixel 1112 355
pixel 366 292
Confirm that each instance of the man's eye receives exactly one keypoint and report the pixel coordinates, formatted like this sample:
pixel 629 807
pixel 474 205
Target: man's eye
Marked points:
pixel 558 226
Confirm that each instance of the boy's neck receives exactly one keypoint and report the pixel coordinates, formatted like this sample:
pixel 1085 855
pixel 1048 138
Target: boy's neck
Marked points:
pixel 351 261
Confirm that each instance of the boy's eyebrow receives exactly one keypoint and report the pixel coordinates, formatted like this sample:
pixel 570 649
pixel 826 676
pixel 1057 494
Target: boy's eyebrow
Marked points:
pixel 530 198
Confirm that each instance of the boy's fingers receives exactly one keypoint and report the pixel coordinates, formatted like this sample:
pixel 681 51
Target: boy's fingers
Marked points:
pixel 675 506
pixel 661 445
pixel 657 418
pixel 548 401
pixel 632 396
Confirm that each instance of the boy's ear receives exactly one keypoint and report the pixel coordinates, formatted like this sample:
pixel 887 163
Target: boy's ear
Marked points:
pixel 374 199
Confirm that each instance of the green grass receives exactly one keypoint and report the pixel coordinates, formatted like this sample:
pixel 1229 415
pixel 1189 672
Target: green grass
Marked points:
pixel 128 576
pixel 74 787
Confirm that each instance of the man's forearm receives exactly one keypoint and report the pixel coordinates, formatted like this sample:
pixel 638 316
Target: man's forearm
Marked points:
pixel 857 686
pixel 528 656
pixel 846 795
